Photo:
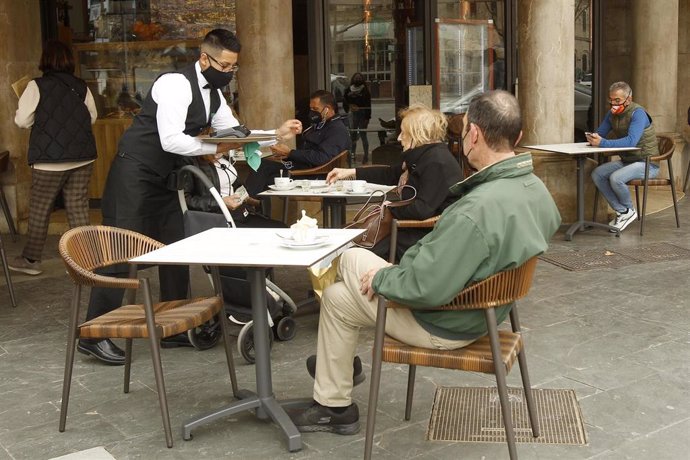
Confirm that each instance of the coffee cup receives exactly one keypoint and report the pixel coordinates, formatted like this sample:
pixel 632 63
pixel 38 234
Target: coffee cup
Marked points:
pixel 282 182
pixel 359 186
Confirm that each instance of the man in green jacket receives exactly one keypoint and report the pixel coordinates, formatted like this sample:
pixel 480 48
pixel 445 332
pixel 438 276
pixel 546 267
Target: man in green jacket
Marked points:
pixel 504 216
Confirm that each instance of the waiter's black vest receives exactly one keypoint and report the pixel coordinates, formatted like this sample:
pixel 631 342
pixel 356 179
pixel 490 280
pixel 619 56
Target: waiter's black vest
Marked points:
pixel 142 141
pixel 62 124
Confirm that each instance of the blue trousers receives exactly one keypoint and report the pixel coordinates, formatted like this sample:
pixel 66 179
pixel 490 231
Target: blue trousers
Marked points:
pixel 612 181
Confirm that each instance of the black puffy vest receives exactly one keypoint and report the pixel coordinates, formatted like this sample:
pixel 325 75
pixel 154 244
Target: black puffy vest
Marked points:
pixel 62 124
pixel 142 141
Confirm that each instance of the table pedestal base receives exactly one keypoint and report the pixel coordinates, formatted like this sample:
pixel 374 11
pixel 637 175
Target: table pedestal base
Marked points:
pixel 582 226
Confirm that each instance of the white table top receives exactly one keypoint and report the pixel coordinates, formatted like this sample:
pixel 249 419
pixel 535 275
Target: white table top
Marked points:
pixel 578 148
pixel 327 192
pixel 246 247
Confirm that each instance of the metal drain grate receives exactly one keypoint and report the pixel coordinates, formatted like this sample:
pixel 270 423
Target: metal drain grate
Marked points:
pixel 656 252
pixel 588 259
pixel 474 415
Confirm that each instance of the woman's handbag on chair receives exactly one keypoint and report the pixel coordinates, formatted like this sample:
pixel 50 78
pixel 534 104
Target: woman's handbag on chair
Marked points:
pixel 377 219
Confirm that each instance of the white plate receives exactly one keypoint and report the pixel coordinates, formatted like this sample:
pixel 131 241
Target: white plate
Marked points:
pixel 287 241
pixel 283 188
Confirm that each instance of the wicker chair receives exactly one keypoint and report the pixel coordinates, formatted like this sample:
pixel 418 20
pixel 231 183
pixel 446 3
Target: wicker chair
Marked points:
pixel 666 149
pixel 396 224
pixel 504 346
pixel 84 249
pixel 338 161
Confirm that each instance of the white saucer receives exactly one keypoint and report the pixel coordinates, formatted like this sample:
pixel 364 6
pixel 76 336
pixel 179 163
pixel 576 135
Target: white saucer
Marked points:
pixel 287 241
pixel 282 188
pixel 318 184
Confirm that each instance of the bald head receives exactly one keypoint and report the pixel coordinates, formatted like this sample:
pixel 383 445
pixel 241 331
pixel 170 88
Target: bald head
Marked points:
pixel 497 114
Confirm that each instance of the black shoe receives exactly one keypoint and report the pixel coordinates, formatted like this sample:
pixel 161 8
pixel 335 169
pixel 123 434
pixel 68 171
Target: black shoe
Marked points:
pixel 357 373
pixel 174 341
pixel 318 418
pixel 103 350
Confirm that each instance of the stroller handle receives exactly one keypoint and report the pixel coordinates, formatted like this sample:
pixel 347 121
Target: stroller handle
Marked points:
pixel 208 184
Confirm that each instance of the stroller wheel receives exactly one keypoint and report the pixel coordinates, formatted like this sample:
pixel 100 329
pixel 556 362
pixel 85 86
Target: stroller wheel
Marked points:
pixel 206 335
pixel 285 329
pixel 245 342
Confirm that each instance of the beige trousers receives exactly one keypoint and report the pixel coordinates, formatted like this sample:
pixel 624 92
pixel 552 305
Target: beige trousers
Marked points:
pixel 344 311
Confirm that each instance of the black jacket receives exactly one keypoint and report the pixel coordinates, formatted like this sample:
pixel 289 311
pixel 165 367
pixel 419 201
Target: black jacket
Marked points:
pixel 362 99
pixel 322 145
pixel 432 170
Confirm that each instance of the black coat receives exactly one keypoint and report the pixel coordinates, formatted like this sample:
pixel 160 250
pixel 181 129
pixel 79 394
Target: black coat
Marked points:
pixel 432 170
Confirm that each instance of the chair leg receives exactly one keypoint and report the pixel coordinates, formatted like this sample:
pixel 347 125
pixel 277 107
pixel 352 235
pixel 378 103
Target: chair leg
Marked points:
pixel 637 203
pixel 8 215
pixel 644 209
pixel 596 204
pixel 154 342
pixel 500 372
pixel 128 363
pixel 526 385
pixel 673 191
pixel 8 277
pixel 410 390
pixel 69 356
pixel 375 377
pixel 215 278
pixel 687 179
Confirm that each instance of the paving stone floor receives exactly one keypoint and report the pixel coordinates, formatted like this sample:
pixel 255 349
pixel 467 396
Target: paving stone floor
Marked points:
pixel 618 337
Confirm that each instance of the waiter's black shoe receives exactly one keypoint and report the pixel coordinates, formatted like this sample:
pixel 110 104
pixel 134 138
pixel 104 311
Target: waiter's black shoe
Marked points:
pixel 103 350
pixel 174 341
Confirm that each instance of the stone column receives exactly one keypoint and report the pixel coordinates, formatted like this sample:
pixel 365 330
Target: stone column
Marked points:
pixel 265 80
pixel 546 73
pixel 655 60
pixel 20 51
pixel 546 40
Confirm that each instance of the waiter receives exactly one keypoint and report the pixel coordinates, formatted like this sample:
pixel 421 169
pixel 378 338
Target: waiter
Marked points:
pixel 140 192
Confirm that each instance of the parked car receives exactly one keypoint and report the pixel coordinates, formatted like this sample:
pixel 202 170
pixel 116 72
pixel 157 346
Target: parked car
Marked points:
pixel 586 80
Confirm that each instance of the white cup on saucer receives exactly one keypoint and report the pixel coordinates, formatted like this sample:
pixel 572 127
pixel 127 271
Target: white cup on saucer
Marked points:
pixel 282 182
pixel 359 186
pixel 347 185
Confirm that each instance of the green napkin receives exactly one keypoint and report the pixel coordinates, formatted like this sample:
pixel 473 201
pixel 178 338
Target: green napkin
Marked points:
pixel 252 155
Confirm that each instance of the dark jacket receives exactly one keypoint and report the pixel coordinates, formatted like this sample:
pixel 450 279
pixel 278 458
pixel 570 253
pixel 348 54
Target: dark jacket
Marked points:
pixel 432 171
pixel 362 99
pixel 319 146
pixel 61 130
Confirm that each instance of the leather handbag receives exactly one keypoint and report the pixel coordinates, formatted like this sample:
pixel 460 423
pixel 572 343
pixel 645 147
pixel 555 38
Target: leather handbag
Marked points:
pixel 377 219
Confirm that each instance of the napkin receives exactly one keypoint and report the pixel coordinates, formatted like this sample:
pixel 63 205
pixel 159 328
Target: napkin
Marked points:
pixel 252 155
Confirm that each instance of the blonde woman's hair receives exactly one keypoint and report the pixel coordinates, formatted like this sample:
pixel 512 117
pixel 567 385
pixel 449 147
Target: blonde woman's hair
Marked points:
pixel 423 125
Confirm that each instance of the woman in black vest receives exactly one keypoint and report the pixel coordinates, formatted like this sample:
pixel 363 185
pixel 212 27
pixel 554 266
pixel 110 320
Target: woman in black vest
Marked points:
pixel 59 109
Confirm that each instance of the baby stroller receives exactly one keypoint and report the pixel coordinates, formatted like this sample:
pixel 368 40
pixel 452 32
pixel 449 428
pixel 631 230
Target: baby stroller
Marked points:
pixel 235 287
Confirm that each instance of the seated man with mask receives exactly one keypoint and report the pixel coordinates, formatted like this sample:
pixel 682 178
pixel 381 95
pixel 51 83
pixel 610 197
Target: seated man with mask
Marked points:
pixel 322 141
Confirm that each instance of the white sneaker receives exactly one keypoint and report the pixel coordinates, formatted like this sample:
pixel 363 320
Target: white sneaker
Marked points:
pixel 622 220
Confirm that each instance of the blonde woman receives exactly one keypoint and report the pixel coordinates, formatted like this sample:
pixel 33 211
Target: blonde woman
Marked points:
pixel 426 164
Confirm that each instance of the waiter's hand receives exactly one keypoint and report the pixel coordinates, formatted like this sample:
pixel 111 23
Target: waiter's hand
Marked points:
pixel 225 146
pixel 289 129
pixel 281 151
pixel 232 202
pixel 594 139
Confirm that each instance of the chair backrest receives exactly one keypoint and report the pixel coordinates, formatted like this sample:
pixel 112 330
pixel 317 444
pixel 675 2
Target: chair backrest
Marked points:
pixel 338 161
pixel 499 289
pixel 666 148
pixel 84 249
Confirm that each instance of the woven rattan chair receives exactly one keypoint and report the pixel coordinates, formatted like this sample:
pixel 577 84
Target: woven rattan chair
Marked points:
pixel 504 346
pixel 396 224
pixel 338 161
pixel 666 149
pixel 85 249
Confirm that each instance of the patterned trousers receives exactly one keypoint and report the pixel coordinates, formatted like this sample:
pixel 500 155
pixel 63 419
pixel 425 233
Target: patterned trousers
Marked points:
pixel 45 186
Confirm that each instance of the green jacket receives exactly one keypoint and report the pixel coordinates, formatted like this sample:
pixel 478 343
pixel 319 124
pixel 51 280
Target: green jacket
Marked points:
pixel 619 128
pixel 505 216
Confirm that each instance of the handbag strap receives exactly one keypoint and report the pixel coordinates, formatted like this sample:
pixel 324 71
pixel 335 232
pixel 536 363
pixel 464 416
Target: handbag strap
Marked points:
pixel 397 204
pixel 366 205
